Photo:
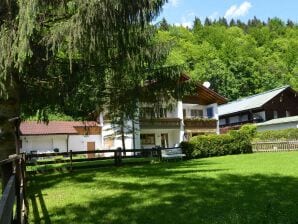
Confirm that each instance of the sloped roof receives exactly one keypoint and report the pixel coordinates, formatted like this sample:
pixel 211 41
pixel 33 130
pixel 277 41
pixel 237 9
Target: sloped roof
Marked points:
pixel 250 102
pixel 279 121
pixel 53 127
pixel 205 96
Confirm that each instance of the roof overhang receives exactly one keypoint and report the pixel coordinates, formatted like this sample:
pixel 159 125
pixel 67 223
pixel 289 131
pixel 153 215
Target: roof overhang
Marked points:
pixel 204 96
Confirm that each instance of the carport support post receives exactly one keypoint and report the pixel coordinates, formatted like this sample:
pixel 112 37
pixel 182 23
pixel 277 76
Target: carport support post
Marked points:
pixel 117 156
pixel 70 157
pixel 159 153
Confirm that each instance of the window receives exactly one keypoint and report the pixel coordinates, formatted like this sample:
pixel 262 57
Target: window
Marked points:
pixel 147 139
pixel 196 113
pixel 234 119
pixel 149 112
pixel 210 112
pixel 275 114
pixel 222 121
pixel 184 113
pixel 244 118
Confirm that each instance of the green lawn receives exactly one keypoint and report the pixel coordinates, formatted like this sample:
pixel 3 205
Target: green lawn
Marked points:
pixel 254 188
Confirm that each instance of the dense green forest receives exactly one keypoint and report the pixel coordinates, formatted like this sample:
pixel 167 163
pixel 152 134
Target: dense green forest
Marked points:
pixel 238 59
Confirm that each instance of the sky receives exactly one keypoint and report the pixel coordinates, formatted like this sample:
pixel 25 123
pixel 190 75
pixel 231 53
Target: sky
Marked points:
pixel 183 12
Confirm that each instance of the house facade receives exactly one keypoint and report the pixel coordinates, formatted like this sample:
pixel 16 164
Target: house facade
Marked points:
pixel 273 104
pixel 190 116
pixel 61 135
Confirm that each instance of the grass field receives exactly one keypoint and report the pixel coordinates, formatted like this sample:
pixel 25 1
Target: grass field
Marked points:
pixel 254 188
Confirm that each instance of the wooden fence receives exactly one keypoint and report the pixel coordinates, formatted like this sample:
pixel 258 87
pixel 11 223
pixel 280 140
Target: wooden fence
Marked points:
pixel 70 157
pixel 13 204
pixel 275 146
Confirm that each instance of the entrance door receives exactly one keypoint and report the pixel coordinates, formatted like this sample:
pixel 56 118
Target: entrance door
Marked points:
pixel 165 140
pixel 91 147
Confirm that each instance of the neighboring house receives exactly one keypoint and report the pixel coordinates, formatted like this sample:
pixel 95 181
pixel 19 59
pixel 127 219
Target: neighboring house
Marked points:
pixel 278 124
pixel 62 135
pixel 276 103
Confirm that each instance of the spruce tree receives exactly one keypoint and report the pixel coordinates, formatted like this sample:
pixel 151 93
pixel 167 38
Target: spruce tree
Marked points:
pixel 39 40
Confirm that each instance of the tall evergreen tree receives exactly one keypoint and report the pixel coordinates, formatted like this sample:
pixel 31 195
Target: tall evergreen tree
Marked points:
pixel 164 25
pixel 38 38
pixel 207 22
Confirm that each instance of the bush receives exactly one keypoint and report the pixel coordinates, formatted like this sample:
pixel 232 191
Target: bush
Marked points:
pixel 187 149
pixel 250 130
pixel 235 142
pixel 286 134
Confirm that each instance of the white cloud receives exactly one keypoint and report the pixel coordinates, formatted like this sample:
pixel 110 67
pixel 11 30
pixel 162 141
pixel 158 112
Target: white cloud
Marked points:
pixel 214 16
pixel 185 24
pixel 187 20
pixel 235 11
pixel 174 3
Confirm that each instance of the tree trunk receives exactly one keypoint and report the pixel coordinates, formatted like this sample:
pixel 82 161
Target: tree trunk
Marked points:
pixel 123 138
pixel 9 108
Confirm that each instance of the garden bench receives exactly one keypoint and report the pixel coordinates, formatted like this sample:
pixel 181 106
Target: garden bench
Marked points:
pixel 175 153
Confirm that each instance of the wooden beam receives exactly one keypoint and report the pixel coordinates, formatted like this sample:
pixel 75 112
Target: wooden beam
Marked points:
pixel 7 202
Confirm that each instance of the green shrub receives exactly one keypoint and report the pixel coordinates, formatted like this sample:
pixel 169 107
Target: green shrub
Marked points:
pixel 286 134
pixel 235 142
pixel 187 149
pixel 250 130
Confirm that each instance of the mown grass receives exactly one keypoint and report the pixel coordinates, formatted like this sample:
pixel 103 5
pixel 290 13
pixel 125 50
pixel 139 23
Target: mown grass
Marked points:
pixel 254 188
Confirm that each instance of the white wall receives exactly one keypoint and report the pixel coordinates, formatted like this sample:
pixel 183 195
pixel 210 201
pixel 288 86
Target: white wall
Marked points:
pixel 79 142
pixel 44 143
pixel 47 143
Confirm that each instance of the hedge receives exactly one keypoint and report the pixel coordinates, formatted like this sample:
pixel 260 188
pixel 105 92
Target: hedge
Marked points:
pixel 235 142
pixel 286 134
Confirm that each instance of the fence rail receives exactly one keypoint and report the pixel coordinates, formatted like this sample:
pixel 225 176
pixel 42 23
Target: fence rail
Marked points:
pixel 275 146
pixel 13 204
pixel 69 158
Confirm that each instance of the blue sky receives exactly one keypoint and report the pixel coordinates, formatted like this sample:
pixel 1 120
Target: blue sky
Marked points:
pixel 184 11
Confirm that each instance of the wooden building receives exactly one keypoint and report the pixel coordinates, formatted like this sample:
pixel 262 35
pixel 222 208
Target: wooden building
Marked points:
pixel 276 103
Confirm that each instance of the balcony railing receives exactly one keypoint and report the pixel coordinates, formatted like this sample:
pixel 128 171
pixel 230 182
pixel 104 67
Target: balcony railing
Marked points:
pixel 200 123
pixel 241 123
pixel 164 123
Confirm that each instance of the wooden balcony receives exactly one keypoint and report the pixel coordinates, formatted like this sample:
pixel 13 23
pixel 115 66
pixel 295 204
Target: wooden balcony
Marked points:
pixel 161 123
pixel 200 123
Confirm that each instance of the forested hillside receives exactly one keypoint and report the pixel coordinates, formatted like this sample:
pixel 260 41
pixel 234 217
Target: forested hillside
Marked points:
pixel 238 59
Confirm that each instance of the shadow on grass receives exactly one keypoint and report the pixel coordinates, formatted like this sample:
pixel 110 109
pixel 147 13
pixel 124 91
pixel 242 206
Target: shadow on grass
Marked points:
pixel 173 194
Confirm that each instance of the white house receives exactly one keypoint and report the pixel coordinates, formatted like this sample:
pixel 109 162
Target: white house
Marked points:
pixel 61 135
pixel 190 116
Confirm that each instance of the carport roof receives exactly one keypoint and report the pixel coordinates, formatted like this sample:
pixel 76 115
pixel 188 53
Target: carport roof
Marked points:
pixel 53 127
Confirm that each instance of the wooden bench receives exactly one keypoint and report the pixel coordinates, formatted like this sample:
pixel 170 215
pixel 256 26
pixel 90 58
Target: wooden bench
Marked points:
pixel 175 153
